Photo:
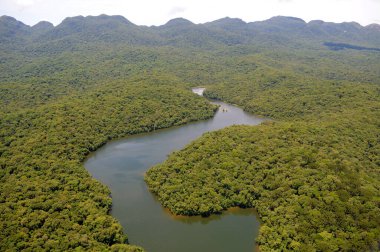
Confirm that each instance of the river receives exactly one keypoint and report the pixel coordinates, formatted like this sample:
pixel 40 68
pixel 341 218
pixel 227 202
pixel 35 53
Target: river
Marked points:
pixel 121 165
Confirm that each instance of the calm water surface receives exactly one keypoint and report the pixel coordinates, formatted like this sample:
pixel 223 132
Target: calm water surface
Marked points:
pixel 121 165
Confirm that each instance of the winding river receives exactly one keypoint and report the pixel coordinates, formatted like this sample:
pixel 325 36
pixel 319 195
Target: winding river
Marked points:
pixel 121 165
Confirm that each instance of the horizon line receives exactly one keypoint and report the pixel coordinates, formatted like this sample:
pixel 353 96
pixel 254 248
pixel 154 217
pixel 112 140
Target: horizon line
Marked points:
pixel 189 20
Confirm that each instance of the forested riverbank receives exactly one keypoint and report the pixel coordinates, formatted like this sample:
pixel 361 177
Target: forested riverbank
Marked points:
pixel 65 90
pixel 312 175
pixel 121 165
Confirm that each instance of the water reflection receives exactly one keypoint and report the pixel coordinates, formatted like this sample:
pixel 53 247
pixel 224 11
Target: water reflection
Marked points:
pixel 121 165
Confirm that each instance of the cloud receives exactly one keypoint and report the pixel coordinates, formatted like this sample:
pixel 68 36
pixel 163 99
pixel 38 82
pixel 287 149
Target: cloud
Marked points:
pixel 176 10
pixel 26 3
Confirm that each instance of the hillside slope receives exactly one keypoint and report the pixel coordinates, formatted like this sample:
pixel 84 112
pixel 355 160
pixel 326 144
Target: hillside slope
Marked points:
pixel 68 89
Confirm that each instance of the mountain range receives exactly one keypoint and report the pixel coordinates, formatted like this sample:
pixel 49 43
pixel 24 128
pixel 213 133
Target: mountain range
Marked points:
pixel 311 172
pixel 180 32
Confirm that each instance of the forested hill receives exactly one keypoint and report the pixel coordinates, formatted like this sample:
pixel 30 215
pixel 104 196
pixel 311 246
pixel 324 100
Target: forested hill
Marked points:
pixel 312 173
pixel 181 32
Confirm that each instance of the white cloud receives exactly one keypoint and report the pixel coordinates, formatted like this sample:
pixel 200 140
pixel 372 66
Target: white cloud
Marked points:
pixel 176 10
pixel 25 2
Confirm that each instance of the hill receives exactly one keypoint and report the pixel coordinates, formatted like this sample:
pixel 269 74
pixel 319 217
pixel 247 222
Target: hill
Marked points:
pixel 181 32
pixel 312 174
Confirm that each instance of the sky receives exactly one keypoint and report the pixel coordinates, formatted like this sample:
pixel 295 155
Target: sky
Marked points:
pixel 158 12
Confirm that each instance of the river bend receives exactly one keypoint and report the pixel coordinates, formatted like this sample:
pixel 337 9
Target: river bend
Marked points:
pixel 121 165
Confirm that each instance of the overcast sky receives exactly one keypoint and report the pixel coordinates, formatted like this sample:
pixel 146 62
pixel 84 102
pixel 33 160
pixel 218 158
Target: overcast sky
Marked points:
pixel 158 12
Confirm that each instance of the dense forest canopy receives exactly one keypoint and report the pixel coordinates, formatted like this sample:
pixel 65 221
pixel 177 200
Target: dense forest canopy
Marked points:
pixel 312 173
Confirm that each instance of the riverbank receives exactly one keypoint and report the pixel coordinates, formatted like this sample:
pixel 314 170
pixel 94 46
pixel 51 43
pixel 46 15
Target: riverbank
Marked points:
pixel 120 165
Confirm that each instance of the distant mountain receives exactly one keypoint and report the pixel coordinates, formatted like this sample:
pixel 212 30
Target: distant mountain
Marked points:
pixel 90 25
pixel 280 24
pixel 41 28
pixel 183 33
pixel 178 22
pixel 10 29
pixel 101 28
pixel 374 27
pixel 227 23
pixel 280 30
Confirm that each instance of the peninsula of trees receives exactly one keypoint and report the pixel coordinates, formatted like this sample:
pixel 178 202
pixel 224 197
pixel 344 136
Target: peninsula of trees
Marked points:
pixel 312 173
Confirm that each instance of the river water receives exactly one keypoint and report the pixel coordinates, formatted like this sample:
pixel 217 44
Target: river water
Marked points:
pixel 121 165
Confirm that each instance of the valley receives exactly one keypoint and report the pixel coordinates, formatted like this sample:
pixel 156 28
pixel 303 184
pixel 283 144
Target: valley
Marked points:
pixel 90 89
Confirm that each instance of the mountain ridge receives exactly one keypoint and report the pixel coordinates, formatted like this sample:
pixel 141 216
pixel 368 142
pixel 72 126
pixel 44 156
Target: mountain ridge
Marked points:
pixel 181 32
pixel 207 22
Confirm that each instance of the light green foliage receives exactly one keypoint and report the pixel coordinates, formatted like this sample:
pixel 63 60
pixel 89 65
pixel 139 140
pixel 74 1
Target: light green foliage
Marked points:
pixel 312 175
pixel 48 200
pixel 311 186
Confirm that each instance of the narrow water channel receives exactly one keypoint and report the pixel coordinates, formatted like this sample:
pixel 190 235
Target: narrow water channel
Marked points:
pixel 121 165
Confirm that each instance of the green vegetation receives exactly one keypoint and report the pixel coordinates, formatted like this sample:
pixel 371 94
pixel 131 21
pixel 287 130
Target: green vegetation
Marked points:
pixel 48 199
pixel 312 188
pixel 55 109
pixel 312 175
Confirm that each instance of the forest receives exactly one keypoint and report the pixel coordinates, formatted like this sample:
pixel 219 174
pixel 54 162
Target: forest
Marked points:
pixel 311 172
pixel 314 183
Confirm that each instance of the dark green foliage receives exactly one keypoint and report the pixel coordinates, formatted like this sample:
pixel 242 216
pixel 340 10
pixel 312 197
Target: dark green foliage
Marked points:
pixel 49 124
pixel 48 200
pixel 10 29
pixel 313 176
pixel 284 31
pixel 67 90
pixel 341 46
pixel 315 186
